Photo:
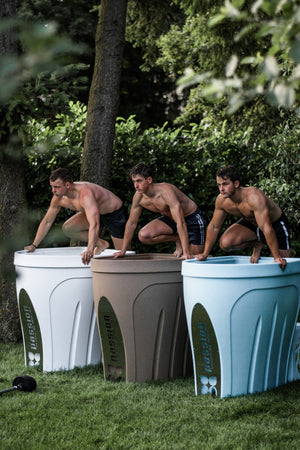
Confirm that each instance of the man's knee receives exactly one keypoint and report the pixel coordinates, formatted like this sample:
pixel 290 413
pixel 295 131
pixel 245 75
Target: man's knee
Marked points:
pixel 144 236
pixel 226 243
pixel 66 228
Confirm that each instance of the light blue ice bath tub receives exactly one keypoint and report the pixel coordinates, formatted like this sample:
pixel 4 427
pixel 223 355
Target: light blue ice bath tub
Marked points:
pixel 241 320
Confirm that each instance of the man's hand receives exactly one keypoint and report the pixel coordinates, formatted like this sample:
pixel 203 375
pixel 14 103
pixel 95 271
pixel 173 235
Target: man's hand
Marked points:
pixel 201 257
pixel 187 256
pixel 86 257
pixel 119 254
pixel 281 261
pixel 30 248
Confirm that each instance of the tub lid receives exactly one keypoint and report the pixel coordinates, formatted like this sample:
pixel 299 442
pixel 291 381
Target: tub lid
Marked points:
pixel 238 267
pixel 138 263
pixel 55 257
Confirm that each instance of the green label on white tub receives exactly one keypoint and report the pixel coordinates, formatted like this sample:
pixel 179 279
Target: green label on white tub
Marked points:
pixel 206 352
pixel 113 353
pixel 31 331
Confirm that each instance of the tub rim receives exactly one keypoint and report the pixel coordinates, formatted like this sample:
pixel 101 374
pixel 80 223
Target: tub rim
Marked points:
pixel 55 257
pixel 220 267
pixel 137 263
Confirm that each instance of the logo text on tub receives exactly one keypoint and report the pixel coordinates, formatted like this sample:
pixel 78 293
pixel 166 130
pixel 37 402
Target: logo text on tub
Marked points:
pixel 208 383
pixel 206 348
pixel 31 328
pixel 111 338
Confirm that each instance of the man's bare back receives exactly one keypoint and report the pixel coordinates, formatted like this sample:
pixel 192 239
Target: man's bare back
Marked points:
pixel 158 200
pixel 107 201
pixel 244 207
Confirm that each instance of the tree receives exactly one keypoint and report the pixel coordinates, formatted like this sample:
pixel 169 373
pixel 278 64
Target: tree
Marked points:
pixel 104 92
pixel 12 195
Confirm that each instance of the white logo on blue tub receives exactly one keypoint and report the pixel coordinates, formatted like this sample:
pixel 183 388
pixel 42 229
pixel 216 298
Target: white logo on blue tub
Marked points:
pixel 208 385
pixel 34 359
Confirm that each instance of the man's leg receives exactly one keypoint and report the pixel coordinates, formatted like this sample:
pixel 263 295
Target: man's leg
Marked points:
pixel 286 253
pixel 156 232
pixel 196 249
pixel 238 237
pixel 77 227
pixel 118 242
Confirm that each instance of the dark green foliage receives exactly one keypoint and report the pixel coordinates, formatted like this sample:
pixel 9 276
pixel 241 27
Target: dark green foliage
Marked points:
pixel 77 20
pixel 146 21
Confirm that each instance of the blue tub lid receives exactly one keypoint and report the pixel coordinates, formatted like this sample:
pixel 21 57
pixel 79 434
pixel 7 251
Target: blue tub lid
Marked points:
pixel 238 267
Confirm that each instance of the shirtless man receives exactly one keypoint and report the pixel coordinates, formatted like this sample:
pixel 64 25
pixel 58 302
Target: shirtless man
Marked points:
pixel 261 220
pixel 182 222
pixel 95 205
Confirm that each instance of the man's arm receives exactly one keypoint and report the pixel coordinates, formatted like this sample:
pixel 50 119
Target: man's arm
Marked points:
pixel 92 213
pixel 257 202
pixel 131 225
pixel 213 229
pixel 178 217
pixel 45 225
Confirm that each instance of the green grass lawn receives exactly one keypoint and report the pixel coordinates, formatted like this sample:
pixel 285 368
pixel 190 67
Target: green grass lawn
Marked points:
pixel 79 410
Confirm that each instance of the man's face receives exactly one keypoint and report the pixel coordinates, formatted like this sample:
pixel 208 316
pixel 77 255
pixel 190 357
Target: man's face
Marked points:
pixel 226 186
pixel 140 183
pixel 59 188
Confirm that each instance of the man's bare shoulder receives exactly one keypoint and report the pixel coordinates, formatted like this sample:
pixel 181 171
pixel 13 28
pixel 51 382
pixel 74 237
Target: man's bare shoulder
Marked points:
pixel 164 186
pixel 137 199
pixel 56 202
pixel 167 189
pixel 84 188
pixel 251 190
pixel 253 195
pixel 220 202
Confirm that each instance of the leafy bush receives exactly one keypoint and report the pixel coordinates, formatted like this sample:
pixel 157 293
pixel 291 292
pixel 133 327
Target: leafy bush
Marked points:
pixel 188 158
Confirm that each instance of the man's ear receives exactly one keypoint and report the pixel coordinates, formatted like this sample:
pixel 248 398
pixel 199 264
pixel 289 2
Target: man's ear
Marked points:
pixel 237 183
pixel 149 179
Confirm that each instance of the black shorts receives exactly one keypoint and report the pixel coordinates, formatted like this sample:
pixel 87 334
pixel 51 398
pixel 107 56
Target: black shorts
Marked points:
pixel 281 228
pixel 115 222
pixel 195 224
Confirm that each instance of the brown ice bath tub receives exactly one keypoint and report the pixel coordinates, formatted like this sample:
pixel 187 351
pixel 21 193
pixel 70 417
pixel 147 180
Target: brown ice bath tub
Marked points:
pixel 141 317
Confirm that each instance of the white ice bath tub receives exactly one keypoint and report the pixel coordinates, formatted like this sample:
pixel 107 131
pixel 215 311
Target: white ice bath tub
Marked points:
pixel 56 306
pixel 241 320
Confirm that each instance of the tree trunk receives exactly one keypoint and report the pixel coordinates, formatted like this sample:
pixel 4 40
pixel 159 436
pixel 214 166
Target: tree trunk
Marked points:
pixel 104 92
pixel 12 201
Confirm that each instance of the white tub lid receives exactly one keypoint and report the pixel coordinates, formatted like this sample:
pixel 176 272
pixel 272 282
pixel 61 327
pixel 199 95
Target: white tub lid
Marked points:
pixel 55 257
pixel 238 267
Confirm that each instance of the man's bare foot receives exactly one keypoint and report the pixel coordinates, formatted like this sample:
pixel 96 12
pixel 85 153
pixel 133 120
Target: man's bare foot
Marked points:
pixel 100 247
pixel 256 252
pixel 178 252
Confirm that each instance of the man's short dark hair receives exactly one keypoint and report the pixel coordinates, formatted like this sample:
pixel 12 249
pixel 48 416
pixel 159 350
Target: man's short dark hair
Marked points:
pixel 141 169
pixel 228 172
pixel 62 174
